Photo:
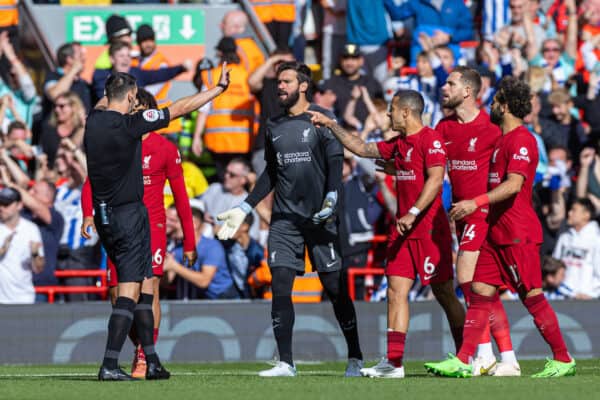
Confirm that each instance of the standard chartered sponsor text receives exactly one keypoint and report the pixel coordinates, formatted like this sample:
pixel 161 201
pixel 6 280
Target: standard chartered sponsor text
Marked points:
pixel 297 157
pixel 463 165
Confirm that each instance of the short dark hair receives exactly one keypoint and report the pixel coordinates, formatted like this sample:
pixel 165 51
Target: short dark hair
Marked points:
pixel 469 77
pixel 516 94
pixel 249 219
pixel 116 46
pixel 118 85
pixel 15 125
pixel 551 266
pixel 197 213
pixel 302 71
pixel 146 99
pixel 586 204
pixel 64 51
pixel 411 99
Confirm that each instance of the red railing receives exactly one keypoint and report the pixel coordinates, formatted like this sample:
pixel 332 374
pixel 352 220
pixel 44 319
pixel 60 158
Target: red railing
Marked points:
pixel 52 291
pixel 369 271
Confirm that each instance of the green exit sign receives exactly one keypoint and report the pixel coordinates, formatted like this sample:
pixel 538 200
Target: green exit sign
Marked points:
pixel 184 27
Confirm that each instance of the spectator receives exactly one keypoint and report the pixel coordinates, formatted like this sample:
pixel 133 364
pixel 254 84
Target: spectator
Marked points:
pixel 334 34
pixel 38 203
pixel 263 84
pixel 524 34
pixel 117 30
pixel 9 20
pixel 324 96
pixel 244 255
pixel 351 63
pixel 588 182
pixel 150 59
pixel 235 25
pixel 67 78
pixel 367 28
pixel 589 104
pixel 447 22
pixel 227 123
pixel 495 15
pixel 553 279
pixel 21 252
pixel 220 197
pixel 17 84
pixel 120 59
pixel 279 17
pixel 66 121
pixel 571 133
pixel 579 249
pixel 16 143
pixel 210 273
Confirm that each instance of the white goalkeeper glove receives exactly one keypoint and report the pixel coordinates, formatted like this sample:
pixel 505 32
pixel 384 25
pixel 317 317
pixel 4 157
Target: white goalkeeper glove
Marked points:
pixel 327 208
pixel 232 220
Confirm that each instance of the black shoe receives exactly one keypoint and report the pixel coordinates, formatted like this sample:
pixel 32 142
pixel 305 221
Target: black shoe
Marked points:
pixel 156 371
pixel 116 374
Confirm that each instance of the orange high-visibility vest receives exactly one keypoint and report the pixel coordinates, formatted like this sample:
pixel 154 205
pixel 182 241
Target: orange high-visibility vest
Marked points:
pixel 230 121
pixel 283 10
pixel 9 13
pixel 263 11
pixel 160 91
pixel 250 54
pixel 307 288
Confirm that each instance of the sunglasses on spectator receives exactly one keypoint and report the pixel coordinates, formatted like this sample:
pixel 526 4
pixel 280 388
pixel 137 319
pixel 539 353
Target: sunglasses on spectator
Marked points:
pixel 61 105
pixel 233 174
pixel 551 49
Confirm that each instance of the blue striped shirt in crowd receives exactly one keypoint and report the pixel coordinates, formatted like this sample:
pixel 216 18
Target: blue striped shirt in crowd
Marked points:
pixel 68 204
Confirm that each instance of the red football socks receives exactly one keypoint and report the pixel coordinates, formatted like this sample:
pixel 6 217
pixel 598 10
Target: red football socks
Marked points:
pixel 499 326
pixel 476 321
pixel 395 347
pixel 547 323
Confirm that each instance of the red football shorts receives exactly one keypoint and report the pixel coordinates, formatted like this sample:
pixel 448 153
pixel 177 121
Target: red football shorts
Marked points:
pixel 158 242
pixel 472 232
pixel 431 258
pixel 516 266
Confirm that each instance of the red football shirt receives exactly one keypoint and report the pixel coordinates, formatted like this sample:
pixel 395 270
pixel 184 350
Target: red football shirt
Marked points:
pixel 470 147
pixel 413 155
pixel 160 161
pixel 514 220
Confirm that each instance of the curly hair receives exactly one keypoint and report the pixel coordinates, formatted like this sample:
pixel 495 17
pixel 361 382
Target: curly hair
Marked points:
pixel 516 94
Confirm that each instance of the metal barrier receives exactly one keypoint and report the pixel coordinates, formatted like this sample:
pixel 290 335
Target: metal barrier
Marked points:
pixel 52 291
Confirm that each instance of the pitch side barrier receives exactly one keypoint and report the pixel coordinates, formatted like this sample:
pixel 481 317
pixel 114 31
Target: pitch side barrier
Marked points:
pixel 241 331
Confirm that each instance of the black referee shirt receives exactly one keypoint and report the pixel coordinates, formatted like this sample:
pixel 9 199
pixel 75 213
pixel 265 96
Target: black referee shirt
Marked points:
pixel 113 147
pixel 300 153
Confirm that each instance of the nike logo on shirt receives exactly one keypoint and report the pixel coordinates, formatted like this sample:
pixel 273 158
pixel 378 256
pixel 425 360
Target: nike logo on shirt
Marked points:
pixel 275 138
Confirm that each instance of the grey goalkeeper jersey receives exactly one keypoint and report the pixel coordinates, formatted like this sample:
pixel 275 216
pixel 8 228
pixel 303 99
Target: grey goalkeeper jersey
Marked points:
pixel 300 153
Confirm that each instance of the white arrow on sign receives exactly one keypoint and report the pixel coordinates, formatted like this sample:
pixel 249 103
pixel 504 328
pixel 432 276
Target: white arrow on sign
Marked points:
pixel 187 31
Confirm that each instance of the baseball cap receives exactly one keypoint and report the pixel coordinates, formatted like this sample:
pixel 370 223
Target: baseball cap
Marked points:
pixel 351 50
pixel 227 45
pixel 323 86
pixel 9 196
pixel 116 26
pixel 144 32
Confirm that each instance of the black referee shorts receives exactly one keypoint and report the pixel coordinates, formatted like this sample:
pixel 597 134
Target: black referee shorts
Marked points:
pixel 287 241
pixel 126 240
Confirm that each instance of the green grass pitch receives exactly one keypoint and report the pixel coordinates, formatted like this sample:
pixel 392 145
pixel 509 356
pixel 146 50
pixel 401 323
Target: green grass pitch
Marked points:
pixel 314 381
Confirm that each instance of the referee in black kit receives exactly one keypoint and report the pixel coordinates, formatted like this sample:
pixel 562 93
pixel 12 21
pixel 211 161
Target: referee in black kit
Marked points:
pixel 304 166
pixel 114 158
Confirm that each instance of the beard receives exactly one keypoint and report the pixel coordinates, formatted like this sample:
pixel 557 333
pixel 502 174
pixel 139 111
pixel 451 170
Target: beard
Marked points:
pixel 496 116
pixel 452 102
pixel 290 100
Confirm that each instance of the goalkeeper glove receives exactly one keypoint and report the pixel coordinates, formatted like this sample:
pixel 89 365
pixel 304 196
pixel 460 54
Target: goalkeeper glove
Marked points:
pixel 232 220
pixel 327 208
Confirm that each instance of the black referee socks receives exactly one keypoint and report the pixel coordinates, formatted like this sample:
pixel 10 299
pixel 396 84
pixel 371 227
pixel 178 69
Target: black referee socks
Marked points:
pixel 144 325
pixel 118 327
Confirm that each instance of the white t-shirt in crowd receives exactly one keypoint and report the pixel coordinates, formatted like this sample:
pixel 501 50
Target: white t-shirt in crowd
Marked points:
pixel 16 285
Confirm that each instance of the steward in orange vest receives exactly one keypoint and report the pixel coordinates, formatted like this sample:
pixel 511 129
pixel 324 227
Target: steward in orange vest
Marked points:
pixel 151 59
pixel 229 123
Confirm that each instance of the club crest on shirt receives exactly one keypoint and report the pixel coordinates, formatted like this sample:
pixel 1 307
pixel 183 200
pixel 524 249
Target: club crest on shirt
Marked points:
pixel 408 157
pixel 494 155
pixel 472 143
pixel 146 163
pixel 305 134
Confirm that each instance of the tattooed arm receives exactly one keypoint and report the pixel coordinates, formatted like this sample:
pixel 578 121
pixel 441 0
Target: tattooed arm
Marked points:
pixel 353 143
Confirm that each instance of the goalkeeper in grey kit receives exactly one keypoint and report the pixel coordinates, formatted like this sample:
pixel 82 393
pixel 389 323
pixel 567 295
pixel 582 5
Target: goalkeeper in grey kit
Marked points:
pixel 304 167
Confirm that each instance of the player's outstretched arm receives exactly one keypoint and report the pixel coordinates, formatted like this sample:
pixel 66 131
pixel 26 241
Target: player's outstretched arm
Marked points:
pixel 507 189
pixel 349 141
pixel 190 103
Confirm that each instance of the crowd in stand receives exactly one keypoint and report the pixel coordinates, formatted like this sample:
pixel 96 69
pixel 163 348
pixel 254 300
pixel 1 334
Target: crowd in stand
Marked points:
pixel 364 51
